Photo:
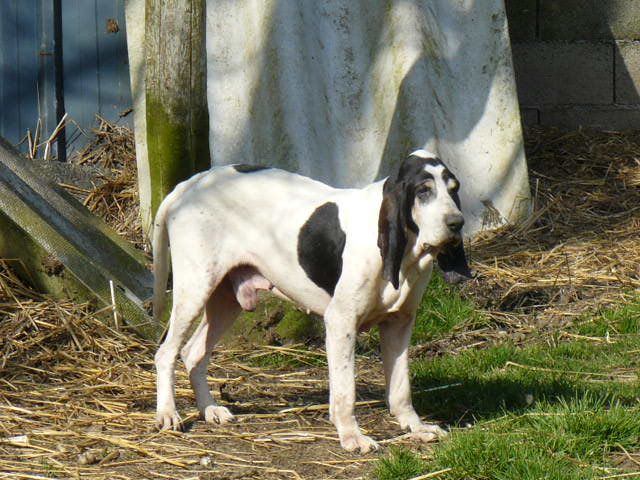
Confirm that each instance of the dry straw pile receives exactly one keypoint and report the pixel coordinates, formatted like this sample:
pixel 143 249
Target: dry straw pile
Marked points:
pixel 77 400
pixel 77 396
pixel 580 248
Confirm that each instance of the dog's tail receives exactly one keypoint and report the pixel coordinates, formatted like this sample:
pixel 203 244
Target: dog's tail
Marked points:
pixel 160 260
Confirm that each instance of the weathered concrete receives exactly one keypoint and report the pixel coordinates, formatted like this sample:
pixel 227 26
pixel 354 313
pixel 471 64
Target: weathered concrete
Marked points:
pixel 606 118
pixel 583 59
pixel 530 116
pixel 341 91
pixel 136 21
pixel 589 19
pixel 627 88
pixel 64 248
pixel 522 15
pixel 564 73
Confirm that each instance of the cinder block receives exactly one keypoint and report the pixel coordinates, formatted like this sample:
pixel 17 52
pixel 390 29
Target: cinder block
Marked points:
pixel 627 73
pixel 530 116
pixel 564 73
pixel 522 18
pixel 589 19
pixel 607 118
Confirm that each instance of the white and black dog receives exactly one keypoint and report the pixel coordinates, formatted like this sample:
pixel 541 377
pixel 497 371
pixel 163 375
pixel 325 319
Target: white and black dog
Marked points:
pixel 359 257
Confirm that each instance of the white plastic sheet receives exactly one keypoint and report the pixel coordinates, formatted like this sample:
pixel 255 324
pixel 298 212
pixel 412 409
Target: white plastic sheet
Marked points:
pixel 341 90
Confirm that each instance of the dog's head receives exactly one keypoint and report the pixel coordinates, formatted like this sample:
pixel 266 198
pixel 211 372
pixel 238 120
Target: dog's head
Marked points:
pixel 420 198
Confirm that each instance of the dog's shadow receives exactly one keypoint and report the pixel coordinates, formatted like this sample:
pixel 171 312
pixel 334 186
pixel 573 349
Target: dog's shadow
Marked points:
pixel 450 400
pixel 458 400
pixel 305 403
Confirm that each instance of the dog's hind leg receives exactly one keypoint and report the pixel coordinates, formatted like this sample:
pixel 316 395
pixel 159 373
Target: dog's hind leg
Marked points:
pixel 220 312
pixel 187 304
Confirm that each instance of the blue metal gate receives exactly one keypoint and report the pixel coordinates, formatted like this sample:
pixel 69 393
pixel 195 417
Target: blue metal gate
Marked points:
pixel 89 78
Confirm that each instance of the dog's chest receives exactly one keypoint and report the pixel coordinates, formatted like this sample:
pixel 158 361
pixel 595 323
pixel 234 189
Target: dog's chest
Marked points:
pixel 413 282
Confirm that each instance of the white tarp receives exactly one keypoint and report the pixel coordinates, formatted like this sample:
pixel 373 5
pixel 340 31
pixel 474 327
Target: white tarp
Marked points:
pixel 340 90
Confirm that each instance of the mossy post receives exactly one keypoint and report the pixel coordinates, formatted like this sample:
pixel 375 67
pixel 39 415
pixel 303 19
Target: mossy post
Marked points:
pixel 177 120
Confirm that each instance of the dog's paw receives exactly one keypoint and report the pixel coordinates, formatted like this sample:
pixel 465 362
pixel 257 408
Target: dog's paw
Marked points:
pixel 168 420
pixel 424 437
pixel 217 414
pixel 356 440
pixel 427 432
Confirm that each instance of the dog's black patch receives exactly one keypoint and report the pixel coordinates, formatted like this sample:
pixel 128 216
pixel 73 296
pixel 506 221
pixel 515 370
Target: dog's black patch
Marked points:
pixel 246 168
pixel 446 176
pixel 320 245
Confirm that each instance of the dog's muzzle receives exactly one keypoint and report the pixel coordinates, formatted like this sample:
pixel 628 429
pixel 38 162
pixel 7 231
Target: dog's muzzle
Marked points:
pixel 454 222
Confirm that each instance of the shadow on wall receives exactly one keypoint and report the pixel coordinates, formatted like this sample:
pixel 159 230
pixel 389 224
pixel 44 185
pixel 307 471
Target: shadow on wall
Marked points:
pixel 625 90
pixel 332 93
pixel 443 98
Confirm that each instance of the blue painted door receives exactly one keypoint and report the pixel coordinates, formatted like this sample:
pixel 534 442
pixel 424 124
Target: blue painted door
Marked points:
pixel 95 75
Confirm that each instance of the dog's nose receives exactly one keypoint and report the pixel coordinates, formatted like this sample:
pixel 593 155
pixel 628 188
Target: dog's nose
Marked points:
pixel 454 221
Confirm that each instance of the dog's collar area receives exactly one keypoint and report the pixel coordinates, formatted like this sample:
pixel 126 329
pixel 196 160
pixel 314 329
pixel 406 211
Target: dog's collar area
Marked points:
pixel 428 249
pixel 425 248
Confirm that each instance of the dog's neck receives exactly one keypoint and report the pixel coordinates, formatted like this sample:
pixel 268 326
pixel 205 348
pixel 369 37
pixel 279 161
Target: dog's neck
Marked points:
pixel 417 256
pixel 414 276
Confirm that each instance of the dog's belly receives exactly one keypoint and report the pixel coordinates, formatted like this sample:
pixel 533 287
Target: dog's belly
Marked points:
pixel 246 280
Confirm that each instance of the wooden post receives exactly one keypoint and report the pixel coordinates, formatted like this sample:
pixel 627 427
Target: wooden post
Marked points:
pixel 169 89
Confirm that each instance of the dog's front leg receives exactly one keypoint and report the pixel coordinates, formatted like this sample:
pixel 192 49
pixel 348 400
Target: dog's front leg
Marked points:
pixel 340 344
pixel 395 335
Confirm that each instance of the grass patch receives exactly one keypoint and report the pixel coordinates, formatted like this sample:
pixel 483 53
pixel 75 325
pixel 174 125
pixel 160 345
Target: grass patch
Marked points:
pixel 399 464
pixel 555 411
pixel 622 320
pixel 570 439
pixel 442 311
pixel 506 378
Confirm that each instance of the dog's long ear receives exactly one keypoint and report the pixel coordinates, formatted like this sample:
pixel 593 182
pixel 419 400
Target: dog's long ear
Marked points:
pixel 453 263
pixel 392 226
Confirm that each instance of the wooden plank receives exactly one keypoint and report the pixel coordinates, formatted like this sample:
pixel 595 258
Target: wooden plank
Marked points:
pixel 46 71
pixel 136 23
pixel 58 225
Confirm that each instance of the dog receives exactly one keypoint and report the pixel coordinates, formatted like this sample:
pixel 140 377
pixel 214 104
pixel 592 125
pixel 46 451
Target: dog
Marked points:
pixel 358 257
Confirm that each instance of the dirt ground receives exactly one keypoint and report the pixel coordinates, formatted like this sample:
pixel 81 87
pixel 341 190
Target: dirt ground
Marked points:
pixel 77 397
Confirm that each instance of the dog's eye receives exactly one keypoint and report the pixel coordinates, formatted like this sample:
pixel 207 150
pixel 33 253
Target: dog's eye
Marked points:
pixel 425 190
pixel 453 185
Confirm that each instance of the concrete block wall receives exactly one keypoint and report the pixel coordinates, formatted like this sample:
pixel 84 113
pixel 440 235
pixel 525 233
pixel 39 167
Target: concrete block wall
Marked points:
pixel 577 62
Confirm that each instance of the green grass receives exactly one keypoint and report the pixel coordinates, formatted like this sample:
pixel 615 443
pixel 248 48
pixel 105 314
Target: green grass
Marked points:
pixel 294 356
pixel 622 320
pixel 442 311
pixel 569 439
pixel 279 361
pixel 554 410
pixel 484 384
pixel 400 464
